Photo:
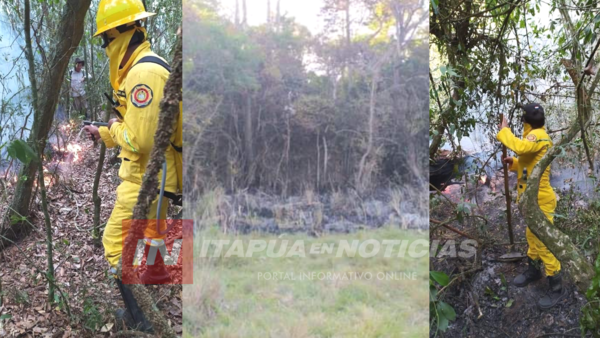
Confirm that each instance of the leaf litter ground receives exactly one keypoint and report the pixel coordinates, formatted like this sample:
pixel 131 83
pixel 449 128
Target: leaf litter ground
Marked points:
pixel 80 267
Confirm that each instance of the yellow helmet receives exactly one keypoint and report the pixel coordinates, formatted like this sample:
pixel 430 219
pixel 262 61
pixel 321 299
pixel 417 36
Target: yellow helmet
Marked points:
pixel 114 13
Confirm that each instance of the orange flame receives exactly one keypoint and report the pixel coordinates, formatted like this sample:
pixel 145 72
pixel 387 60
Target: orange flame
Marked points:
pixel 65 128
pixel 48 182
pixel 74 149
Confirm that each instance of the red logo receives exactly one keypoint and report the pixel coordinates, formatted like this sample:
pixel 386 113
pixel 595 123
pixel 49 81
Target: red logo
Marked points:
pixel 141 95
pixel 158 253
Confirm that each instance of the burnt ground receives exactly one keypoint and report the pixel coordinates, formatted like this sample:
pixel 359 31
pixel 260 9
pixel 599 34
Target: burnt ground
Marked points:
pixel 314 214
pixel 80 267
pixel 485 301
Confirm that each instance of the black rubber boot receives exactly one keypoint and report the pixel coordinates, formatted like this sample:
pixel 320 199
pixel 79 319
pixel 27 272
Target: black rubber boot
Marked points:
pixel 132 316
pixel 124 320
pixel 530 275
pixel 555 294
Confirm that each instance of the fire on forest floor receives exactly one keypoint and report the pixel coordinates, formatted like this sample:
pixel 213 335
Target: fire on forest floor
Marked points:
pixel 80 267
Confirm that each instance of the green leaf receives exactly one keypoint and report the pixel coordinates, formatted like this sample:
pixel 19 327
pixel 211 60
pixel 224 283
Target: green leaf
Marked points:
pixel 443 70
pixel 504 283
pixel 434 4
pixel 452 72
pixel 21 151
pixel 446 310
pixel 440 277
pixel 443 323
pixel 14 219
pixel 562 40
pixel 490 293
pixel 432 294
pixel 509 303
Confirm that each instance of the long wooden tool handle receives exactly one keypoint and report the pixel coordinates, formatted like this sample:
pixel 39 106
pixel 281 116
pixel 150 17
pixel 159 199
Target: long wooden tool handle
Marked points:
pixel 506 191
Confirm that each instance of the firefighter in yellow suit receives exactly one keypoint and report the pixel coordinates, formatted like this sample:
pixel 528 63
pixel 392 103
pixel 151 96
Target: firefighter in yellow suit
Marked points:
pixel 530 150
pixel 138 77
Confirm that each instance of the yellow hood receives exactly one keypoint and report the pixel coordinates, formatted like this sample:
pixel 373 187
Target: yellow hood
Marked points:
pixel 116 52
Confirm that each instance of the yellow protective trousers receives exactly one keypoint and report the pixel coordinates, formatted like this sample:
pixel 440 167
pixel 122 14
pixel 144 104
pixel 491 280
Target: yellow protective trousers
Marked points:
pixel 127 195
pixel 537 250
pixel 530 150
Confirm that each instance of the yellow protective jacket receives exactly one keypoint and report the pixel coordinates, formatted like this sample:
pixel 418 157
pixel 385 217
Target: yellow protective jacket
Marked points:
pixel 139 98
pixel 530 150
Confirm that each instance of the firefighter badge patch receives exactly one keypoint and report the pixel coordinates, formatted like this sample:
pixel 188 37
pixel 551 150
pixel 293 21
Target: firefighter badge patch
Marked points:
pixel 531 138
pixel 141 96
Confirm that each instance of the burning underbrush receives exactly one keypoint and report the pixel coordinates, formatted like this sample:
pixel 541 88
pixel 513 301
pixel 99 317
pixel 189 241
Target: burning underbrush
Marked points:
pixel 63 150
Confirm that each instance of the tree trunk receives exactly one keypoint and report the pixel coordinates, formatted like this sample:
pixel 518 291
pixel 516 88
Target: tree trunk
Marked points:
pixel 268 11
pixel 347 10
pixel 96 198
pixel 437 139
pixel 65 40
pixel 87 67
pixel 237 12
pixel 49 254
pixel 348 43
pixel 360 179
pixel 92 99
pixel 325 159
pixel 318 185
pixel 40 168
pixel 244 14
pixel 249 139
pixel 278 13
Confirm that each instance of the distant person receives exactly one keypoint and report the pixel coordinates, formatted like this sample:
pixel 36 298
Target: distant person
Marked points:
pixel 77 77
pixel 530 150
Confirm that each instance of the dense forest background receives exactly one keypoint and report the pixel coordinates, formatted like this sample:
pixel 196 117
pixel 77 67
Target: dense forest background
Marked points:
pixel 309 122
pixel 277 108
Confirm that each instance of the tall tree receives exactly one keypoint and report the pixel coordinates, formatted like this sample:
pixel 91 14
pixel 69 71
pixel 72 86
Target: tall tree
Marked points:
pixel 244 13
pixel 269 11
pixel 237 12
pixel 66 39
pixel 34 95
pixel 278 13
